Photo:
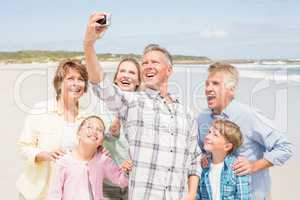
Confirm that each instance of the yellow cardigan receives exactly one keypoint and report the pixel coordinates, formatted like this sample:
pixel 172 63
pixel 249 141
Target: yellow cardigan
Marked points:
pixel 42 132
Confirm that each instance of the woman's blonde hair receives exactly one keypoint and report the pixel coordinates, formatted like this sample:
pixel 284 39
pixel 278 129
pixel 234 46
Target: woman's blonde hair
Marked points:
pixel 230 131
pixel 62 70
pixel 137 65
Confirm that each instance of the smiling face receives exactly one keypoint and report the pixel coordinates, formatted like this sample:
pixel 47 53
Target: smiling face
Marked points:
pixel 70 81
pixel 73 85
pixel 215 142
pixel 127 77
pixel 218 96
pixel 91 132
pixel 155 69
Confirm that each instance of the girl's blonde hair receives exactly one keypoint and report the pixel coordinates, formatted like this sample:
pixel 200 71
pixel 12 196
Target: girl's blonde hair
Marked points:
pixel 88 118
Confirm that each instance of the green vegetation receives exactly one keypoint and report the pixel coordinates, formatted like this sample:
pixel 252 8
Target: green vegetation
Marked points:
pixel 29 56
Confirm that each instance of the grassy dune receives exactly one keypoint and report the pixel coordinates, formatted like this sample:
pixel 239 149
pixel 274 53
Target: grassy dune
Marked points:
pixel 54 56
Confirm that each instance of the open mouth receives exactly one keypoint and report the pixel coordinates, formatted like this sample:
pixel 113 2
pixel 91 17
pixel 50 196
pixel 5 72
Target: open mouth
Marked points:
pixel 125 82
pixel 93 137
pixel 210 98
pixel 150 75
pixel 75 89
pixel 207 142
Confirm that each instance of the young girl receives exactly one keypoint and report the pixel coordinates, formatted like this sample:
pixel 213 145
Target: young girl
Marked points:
pixel 79 175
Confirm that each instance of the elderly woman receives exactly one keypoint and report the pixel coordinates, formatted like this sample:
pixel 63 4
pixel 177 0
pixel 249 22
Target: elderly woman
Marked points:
pixel 47 136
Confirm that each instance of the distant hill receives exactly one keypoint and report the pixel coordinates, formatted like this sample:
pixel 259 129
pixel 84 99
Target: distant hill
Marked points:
pixel 29 56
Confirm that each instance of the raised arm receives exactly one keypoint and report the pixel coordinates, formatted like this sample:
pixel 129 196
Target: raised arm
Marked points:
pixel 93 32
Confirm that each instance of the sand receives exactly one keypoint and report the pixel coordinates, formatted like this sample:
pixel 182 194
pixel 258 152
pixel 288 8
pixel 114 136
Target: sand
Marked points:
pixel 23 85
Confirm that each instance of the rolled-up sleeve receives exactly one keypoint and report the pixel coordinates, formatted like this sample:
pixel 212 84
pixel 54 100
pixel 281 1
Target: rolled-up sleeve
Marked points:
pixel 195 152
pixel 115 99
pixel 27 143
pixel 278 148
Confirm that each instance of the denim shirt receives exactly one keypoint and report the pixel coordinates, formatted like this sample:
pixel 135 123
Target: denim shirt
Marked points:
pixel 261 140
pixel 232 187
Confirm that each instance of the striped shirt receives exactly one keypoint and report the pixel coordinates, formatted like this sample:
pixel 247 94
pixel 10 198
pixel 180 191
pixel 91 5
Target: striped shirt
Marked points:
pixel 232 187
pixel 162 141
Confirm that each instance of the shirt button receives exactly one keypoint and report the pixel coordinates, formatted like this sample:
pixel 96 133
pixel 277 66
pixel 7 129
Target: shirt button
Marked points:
pixel 171 150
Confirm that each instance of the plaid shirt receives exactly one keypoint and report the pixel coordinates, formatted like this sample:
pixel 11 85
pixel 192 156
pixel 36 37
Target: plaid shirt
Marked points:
pixel 162 141
pixel 232 187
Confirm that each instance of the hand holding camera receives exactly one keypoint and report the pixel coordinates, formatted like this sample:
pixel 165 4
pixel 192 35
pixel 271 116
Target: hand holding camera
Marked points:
pixel 105 21
pixel 97 25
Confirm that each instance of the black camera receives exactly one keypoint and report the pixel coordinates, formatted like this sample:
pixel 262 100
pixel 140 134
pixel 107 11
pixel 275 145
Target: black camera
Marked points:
pixel 105 21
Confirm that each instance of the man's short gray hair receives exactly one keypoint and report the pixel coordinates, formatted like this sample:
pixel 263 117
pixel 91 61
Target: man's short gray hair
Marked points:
pixel 156 47
pixel 230 72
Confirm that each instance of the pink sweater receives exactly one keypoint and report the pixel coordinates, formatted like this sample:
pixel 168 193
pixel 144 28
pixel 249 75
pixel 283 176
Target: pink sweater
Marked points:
pixel 71 175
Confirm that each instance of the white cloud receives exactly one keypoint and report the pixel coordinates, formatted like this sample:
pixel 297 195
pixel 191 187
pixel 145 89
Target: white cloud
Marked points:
pixel 214 34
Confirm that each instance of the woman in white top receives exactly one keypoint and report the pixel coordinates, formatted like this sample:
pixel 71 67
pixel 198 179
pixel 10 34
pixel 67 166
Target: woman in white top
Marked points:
pixel 48 135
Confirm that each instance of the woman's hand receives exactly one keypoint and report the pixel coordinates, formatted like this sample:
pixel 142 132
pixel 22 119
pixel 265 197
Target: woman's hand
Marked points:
pixel 127 166
pixel 114 128
pixel 49 156
pixel 94 29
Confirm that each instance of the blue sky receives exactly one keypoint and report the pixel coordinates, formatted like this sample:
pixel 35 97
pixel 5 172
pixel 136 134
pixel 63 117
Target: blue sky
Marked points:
pixel 217 29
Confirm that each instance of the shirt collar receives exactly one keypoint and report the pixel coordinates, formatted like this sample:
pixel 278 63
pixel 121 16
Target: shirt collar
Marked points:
pixel 227 112
pixel 228 161
pixel 155 94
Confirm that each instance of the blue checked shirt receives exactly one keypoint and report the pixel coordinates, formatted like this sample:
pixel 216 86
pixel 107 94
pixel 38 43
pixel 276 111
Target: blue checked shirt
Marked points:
pixel 261 140
pixel 232 187
pixel 162 141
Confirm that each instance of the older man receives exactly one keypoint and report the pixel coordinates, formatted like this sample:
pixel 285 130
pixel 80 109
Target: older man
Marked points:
pixel 263 146
pixel 161 133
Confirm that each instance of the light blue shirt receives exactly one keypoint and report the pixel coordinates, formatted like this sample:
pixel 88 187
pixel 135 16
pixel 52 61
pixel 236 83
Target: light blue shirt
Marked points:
pixel 261 140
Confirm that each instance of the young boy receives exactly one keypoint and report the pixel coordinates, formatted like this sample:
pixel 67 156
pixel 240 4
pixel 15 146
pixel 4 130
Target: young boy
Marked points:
pixel 218 180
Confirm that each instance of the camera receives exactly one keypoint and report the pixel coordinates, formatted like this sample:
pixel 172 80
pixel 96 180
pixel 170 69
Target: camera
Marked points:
pixel 105 21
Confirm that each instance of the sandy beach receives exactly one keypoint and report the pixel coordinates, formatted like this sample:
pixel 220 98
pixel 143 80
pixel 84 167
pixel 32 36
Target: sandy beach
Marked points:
pixel 276 93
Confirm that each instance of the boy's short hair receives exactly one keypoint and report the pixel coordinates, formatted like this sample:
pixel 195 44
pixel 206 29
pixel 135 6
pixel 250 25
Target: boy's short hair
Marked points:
pixel 230 131
pixel 230 72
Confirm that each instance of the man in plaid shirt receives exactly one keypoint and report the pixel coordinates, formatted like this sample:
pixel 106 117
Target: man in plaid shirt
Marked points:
pixel 162 134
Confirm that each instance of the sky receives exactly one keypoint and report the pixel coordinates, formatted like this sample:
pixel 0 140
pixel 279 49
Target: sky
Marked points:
pixel 216 29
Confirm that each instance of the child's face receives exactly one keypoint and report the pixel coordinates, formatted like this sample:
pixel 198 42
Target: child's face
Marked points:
pixel 92 132
pixel 216 142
